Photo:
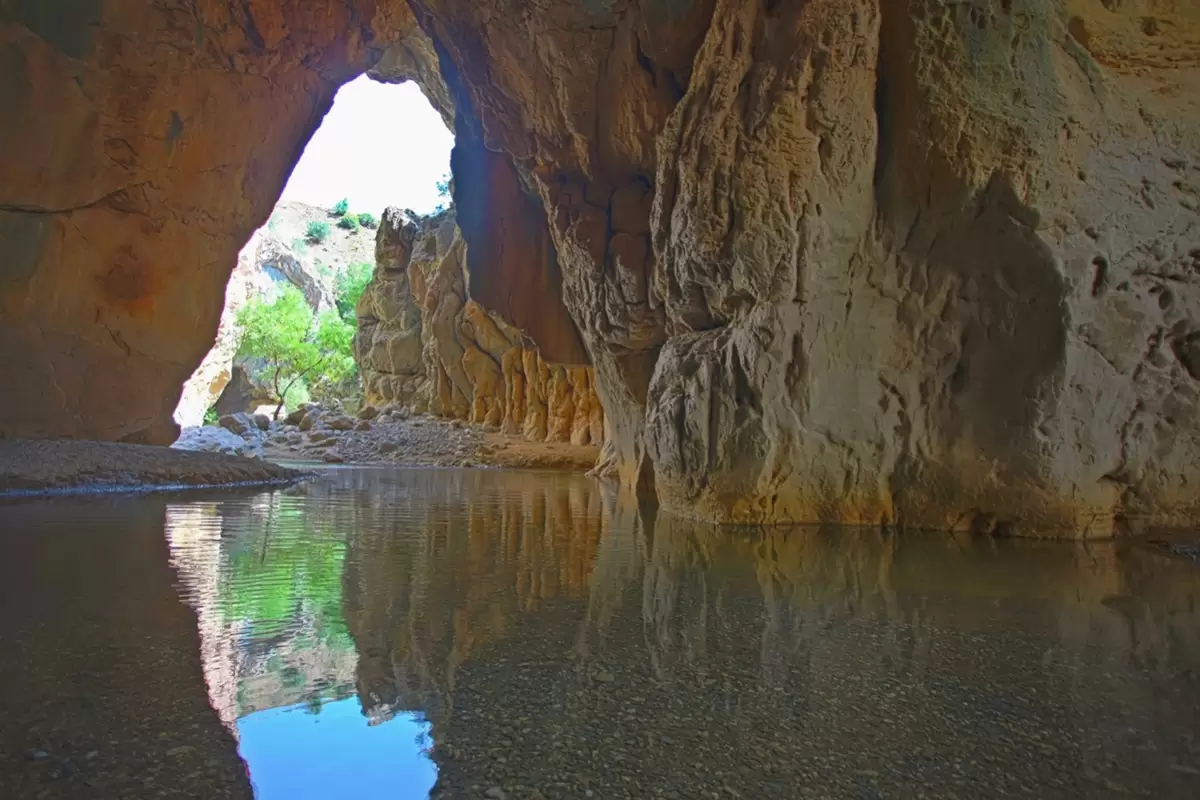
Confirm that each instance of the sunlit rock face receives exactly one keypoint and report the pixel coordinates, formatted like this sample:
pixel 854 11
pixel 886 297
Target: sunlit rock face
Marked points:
pixel 834 260
pixel 425 344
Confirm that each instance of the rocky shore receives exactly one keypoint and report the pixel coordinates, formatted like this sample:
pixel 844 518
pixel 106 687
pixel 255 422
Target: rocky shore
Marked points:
pixel 69 466
pixel 388 436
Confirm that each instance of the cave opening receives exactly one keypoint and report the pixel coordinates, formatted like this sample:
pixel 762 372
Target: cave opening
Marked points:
pixel 289 320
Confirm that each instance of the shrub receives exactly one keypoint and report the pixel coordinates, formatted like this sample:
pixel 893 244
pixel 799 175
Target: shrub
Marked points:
pixel 349 286
pixel 341 207
pixel 317 231
pixel 368 220
pixel 211 416
pixel 443 186
pixel 348 222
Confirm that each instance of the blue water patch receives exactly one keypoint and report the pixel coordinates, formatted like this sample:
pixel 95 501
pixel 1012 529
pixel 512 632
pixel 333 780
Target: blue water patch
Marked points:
pixel 330 750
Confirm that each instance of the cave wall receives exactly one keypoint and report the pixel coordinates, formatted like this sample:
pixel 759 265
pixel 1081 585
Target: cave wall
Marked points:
pixel 142 145
pixel 830 260
pixel 862 261
pixel 424 343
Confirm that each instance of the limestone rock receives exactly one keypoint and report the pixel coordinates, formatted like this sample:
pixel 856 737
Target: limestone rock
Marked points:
pixel 213 439
pixel 209 381
pixel 424 344
pixel 837 260
pixel 284 266
pixel 134 168
pixel 339 422
pixel 241 424
pixel 242 394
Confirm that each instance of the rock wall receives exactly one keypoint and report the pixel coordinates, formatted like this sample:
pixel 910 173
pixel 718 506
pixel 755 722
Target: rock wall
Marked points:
pixel 424 344
pixel 141 146
pixel 915 261
pixel 867 262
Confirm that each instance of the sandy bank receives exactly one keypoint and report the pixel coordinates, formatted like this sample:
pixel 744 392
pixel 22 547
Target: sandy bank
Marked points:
pixel 81 466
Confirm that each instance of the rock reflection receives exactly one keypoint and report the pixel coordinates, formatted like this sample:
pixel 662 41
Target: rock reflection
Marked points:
pixel 561 639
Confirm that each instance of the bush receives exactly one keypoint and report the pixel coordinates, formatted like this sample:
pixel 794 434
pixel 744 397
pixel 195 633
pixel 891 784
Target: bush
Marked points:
pixel 317 231
pixel 368 220
pixel 211 416
pixel 348 222
pixel 340 208
pixel 349 286
pixel 443 186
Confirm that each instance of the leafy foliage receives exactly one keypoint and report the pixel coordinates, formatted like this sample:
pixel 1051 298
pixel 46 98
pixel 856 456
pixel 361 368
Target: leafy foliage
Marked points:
pixel 317 231
pixel 443 186
pixel 367 220
pixel 338 375
pixel 348 222
pixel 348 288
pixel 340 207
pixel 211 416
pixel 280 337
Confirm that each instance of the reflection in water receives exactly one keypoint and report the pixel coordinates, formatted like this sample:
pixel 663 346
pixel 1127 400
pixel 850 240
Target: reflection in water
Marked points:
pixel 560 640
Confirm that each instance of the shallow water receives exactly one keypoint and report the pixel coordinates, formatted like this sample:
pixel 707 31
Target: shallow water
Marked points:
pixel 380 633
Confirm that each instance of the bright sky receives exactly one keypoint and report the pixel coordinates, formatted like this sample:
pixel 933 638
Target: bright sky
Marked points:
pixel 380 145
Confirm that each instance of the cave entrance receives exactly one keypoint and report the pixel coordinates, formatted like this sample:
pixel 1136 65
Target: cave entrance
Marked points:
pixel 288 324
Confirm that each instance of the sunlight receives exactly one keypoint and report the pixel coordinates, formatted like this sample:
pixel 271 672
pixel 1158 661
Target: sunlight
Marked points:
pixel 380 145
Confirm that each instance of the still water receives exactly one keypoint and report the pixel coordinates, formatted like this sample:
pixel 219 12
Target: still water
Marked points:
pixel 382 633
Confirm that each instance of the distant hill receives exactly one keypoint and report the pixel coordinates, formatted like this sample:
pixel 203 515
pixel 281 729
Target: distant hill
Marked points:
pixel 289 222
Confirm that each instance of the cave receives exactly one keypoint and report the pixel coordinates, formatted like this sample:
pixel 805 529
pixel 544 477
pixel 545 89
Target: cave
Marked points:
pixel 828 261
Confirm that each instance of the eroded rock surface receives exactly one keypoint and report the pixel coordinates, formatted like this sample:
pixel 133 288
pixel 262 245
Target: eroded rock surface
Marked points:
pixel 425 344
pixel 829 260
pixel 863 261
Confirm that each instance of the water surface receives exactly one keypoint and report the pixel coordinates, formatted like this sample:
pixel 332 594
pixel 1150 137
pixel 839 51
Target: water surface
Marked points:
pixel 380 633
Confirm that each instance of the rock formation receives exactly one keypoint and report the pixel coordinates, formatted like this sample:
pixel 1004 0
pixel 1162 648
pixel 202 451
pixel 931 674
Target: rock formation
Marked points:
pixel 852 260
pixel 423 343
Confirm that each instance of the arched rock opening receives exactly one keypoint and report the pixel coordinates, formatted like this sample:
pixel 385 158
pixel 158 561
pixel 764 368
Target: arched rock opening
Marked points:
pixel 830 260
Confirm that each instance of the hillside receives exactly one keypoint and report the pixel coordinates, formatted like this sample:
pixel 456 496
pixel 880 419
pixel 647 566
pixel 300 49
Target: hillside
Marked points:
pixel 289 222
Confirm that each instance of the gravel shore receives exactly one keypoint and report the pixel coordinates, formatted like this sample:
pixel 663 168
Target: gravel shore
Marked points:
pixel 69 466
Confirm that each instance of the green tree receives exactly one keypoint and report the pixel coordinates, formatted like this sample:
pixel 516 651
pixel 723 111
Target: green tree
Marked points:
pixel 279 335
pixel 317 231
pixel 368 220
pixel 443 186
pixel 348 222
pixel 334 338
pixel 348 287
pixel 341 207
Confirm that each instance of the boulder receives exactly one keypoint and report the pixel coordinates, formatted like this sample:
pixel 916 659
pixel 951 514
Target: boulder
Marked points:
pixel 243 395
pixel 213 439
pixel 241 424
